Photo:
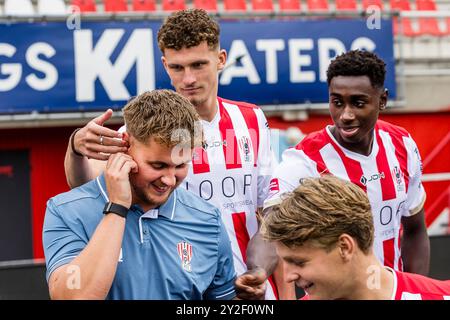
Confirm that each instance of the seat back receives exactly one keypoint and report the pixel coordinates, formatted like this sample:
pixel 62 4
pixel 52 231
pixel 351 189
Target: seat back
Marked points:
pixel 18 8
pixel 115 5
pixel 208 5
pixel 51 7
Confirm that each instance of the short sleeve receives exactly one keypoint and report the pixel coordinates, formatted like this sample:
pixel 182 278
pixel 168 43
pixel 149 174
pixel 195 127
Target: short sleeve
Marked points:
pixel 294 166
pixel 222 286
pixel 266 158
pixel 415 197
pixel 61 243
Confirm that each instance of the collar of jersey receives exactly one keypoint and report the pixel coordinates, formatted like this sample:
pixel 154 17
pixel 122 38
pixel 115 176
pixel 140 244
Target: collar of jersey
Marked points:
pixel 216 118
pixel 394 289
pixel 355 155
pixel 167 209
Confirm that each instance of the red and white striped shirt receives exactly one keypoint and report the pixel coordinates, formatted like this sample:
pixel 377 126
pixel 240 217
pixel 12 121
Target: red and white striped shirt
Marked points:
pixel 233 171
pixel 409 286
pixel 390 175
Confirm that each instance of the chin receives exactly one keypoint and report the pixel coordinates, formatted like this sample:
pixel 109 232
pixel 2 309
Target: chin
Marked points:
pixel 158 200
pixel 196 101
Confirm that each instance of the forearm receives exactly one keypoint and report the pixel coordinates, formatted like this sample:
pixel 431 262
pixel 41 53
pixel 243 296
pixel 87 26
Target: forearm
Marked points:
pixel 262 254
pixel 416 252
pixel 77 168
pixel 95 266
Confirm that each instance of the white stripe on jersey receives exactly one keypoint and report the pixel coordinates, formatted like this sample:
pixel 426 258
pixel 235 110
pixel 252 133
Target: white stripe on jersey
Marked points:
pixel 381 177
pixel 333 162
pixel 241 131
pixel 235 190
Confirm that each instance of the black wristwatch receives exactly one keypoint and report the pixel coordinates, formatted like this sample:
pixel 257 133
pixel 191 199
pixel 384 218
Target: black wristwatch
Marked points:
pixel 118 209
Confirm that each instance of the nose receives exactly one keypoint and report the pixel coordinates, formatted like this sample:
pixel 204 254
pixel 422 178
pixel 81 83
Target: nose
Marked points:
pixel 289 272
pixel 169 179
pixel 188 77
pixel 347 114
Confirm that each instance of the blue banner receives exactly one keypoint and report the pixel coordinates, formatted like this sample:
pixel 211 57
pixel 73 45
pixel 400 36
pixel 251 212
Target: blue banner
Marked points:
pixel 48 68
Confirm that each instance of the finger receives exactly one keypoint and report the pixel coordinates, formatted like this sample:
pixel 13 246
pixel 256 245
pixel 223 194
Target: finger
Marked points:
pixel 258 272
pixel 113 142
pixel 116 162
pixel 101 119
pixel 245 289
pixel 97 131
pixel 97 156
pixel 98 148
pixel 252 281
pixel 129 166
pixel 243 280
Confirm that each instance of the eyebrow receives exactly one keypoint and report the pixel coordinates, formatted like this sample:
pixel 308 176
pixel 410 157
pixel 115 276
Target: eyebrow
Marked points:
pixel 166 164
pixel 294 260
pixel 189 64
pixel 362 95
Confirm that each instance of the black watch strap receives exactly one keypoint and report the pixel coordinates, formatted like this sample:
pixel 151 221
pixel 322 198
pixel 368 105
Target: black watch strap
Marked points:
pixel 118 209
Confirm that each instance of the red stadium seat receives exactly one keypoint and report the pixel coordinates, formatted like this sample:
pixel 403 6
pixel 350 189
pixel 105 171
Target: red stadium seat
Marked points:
pixel 402 5
pixel 115 5
pixel 144 5
pixel 208 5
pixel 262 5
pixel 317 5
pixel 173 5
pixel 85 5
pixel 346 5
pixel 428 25
pixel 368 3
pixel 289 5
pixel 235 5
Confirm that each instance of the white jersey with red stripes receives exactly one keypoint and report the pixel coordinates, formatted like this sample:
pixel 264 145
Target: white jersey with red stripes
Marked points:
pixel 390 175
pixel 409 286
pixel 233 170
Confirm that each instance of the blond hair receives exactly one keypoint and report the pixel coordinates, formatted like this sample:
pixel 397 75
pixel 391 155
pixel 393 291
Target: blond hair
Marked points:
pixel 318 212
pixel 164 115
pixel 188 28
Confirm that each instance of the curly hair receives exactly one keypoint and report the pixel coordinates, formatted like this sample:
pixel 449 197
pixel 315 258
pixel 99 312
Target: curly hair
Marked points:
pixel 164 115
pixel 318 212
pixel 188 28
pixel 358 63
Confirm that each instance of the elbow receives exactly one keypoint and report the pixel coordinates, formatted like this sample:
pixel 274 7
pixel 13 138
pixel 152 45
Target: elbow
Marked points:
pixel 59 291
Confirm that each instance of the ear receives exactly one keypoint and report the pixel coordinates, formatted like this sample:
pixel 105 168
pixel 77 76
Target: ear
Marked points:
pixel 126 136
pixel 164 62
pixel 383 99
pixel 222 59
pixel 346 247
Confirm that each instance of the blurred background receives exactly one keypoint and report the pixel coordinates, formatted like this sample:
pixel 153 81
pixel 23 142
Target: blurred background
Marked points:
pixel 64 62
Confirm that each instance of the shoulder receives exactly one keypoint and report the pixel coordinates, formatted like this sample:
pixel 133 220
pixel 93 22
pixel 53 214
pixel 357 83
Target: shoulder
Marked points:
pixel 78 204
pixel 313 141
pixel 196 204
pixel 240 104
pixel 418 284
pixel 392 129
pixel 89 190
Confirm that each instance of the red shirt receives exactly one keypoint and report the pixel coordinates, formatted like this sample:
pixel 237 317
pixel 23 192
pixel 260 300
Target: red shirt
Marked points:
pixel 410 286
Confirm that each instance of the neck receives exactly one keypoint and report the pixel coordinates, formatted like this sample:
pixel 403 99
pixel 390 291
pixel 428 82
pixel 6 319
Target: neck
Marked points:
pixel 373 282
pixel 145 206
pixel 363 147
pixel 208 109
